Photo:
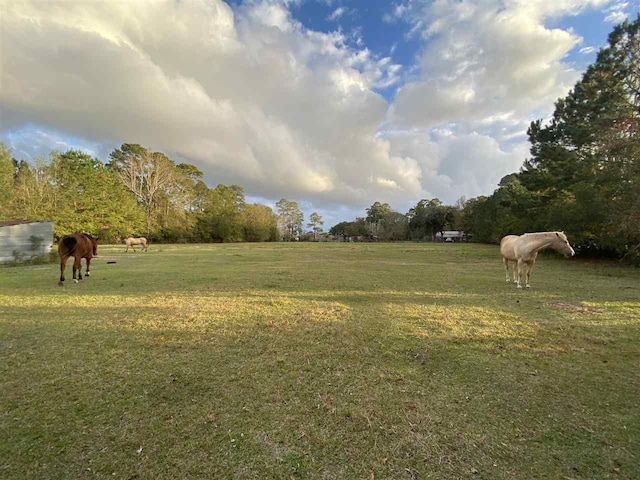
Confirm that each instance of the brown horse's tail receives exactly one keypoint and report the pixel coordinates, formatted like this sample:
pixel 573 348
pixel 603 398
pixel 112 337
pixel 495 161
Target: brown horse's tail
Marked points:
pixel 70 243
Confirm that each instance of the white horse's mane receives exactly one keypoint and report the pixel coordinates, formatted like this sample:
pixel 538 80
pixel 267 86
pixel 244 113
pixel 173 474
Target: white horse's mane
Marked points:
pixel 543 234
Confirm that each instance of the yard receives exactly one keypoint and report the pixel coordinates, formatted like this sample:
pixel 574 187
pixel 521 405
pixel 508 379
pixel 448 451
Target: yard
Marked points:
pixel 319 361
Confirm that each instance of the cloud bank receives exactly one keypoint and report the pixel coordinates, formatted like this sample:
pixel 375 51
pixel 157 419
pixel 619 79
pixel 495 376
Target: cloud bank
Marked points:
pixel 253 97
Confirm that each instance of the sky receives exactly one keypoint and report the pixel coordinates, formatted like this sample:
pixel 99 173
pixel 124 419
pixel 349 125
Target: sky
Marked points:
pixel 335 104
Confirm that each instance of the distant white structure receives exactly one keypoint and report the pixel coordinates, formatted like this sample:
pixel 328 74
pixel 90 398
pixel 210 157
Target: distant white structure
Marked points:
pixel 24 239
pixel 451 236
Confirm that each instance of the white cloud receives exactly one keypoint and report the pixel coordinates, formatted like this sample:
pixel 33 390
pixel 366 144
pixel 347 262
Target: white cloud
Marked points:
pixel 486 57
pixel 587 50
pixel 488 68
pixel 399 11
pixel 252 97
pixel 616 12
pixel 456 164
pixel 616 16
pixel 33 143
pixel 617 6
pixel 336 14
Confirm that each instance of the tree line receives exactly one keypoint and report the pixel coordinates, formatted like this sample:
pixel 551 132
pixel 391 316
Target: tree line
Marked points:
pixel 422 222
pixel 139 192
pixel 583 175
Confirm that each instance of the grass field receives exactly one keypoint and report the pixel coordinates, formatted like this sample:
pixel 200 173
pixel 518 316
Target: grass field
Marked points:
pixel 320 361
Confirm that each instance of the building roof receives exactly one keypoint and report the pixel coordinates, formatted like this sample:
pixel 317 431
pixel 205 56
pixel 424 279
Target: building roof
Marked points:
pixel 11 223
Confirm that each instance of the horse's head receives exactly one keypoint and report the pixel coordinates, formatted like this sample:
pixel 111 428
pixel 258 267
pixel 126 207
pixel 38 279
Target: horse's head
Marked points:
pixel 94 244
pixel 561 244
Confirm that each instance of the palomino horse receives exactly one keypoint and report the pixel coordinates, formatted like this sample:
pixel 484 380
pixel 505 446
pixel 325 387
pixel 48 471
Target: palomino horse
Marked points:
pixel 131 241
pixel 78 246
pixel 524 249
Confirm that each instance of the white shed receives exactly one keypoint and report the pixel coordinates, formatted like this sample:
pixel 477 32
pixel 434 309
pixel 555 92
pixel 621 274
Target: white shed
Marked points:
pixel 450 236
pixel 24 239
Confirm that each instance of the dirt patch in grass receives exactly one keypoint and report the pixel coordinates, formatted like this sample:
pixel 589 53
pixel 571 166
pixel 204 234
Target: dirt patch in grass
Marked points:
pixel 578 308
pixel 274 447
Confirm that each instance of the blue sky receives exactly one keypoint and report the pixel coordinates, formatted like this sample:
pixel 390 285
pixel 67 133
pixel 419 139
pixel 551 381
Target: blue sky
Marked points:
pixel 362 21
pixel 333 103
pixel 369 23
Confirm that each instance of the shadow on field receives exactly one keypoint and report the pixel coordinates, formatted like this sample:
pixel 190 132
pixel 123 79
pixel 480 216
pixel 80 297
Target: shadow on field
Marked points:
pixel 257 385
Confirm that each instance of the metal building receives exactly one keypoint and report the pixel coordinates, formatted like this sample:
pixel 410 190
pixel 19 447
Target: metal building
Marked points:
pixel 22 240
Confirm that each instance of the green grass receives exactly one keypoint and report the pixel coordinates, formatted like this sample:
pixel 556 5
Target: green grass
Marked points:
pixel 319 361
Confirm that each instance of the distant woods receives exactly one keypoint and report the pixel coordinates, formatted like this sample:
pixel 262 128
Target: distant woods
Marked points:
pixel 138 192
pixel 422 222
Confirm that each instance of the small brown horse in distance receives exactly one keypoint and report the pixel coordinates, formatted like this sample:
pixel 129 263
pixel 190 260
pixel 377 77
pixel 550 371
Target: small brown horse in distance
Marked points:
pixel 78 246
pixel 131 241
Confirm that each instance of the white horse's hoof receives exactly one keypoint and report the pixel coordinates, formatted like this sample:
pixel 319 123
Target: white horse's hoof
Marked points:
pixel 87 274
pixel 527 286
pixel 75 280
pixel 519 286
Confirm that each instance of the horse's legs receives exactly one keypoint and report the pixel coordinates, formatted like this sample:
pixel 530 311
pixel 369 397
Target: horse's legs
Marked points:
pixel 127 249
pixel 519 275
pixel 63 265
pixel 88 266
pixel 80 268
pixel 506 268
pixel 77 264
pixel 529 267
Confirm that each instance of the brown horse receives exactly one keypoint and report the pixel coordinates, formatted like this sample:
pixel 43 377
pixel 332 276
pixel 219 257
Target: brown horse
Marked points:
pixel 78 246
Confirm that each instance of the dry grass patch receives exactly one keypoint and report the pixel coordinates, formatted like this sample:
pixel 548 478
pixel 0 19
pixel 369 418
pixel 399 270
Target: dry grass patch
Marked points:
pixel 468 323
pixel 578 309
